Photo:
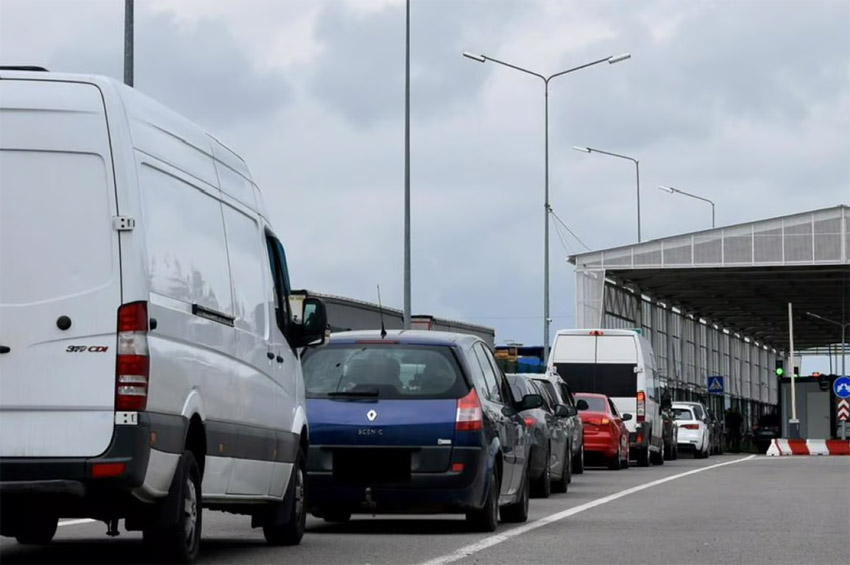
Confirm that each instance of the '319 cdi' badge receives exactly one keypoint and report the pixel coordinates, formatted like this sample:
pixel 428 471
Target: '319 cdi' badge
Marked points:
pixel 371 415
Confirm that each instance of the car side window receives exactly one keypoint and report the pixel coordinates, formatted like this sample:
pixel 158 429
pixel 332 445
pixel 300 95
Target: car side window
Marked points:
pixel 477 373
pixel 494 392
pixel 501 379
pixel 538 388
pixel 550 392
pixel 613 409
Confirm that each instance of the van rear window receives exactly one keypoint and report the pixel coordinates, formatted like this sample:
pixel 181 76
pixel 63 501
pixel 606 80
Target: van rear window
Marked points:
pixel 616 380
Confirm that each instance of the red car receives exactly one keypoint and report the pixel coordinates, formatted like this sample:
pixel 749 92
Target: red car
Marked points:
pixel 605 434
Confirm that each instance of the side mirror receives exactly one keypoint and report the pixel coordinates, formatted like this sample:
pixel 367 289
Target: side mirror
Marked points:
pixel 312 329
pixel 627 417
pixel 582 404
pixel 530 402
pixel 562 411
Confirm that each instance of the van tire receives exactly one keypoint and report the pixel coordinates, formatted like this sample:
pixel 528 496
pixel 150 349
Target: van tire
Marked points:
pixel 642 457
pixel 180 542
pixel 289 529
pixel 658 457
pixel 486 518
pixel 36 530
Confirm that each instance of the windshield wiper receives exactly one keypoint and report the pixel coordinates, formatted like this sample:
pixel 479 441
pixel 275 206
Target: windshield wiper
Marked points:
pixel 354 393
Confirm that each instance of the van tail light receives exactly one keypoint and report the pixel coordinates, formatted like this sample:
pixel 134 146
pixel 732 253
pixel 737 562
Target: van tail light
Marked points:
pixel 132 365
pixel 691 426
pixel 529 422
pixel 469 415
pixel 641 406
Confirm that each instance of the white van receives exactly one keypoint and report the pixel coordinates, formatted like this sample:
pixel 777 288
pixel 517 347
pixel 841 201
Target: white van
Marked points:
pixel 149 357
pixel 621 365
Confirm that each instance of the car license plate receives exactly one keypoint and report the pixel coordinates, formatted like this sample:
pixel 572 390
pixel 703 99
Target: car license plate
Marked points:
pixel 371 465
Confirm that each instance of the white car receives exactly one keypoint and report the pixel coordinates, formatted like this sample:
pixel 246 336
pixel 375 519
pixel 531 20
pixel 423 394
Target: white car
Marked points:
pixel 694 433
pixel 148 345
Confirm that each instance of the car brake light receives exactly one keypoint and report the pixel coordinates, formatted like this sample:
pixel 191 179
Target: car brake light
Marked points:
pixel 529 421
pixel 469 415
pixel 641 406
pixel 597 332
pixel 598 421
pixel 132 365
pixel 691 426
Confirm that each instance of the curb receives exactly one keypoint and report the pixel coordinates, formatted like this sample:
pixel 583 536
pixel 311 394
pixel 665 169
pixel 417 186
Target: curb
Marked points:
pixel 783 447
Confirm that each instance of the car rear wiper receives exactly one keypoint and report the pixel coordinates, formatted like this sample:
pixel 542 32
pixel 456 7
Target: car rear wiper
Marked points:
pixel 354 393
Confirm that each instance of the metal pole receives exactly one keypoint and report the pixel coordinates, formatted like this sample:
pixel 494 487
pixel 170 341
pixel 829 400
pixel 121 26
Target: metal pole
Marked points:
pixel 843 354
pixel 546 229
pixel 793 423
pixel 407 168
pixel 712 215
pixel 637 174
pixel 128 42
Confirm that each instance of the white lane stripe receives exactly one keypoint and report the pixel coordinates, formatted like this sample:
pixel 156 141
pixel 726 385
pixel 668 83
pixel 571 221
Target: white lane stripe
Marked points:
pixel 76 522
pixel 499 538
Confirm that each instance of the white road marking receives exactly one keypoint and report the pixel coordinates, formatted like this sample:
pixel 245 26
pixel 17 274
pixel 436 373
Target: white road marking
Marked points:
pixel 76 522
pixel 499 538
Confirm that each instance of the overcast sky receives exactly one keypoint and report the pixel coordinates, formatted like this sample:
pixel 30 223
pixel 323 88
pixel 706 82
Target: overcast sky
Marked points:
pixel 746 102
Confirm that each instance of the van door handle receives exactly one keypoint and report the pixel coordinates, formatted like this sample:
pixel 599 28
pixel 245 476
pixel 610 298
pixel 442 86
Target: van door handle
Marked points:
pixel 279 359
pixel 5 349
pixel 270 355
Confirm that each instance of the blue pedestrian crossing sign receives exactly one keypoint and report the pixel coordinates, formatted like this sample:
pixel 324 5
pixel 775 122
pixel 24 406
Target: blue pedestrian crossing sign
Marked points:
pixel 841 386
pixel 715 385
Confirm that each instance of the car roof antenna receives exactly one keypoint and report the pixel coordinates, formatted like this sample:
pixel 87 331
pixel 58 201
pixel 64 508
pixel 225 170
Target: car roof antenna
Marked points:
pixel 381 310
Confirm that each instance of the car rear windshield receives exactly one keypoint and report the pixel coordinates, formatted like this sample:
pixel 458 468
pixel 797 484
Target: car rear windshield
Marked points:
pixel 594 403
pixel 615 380
pixel 683 414
pixel 383 370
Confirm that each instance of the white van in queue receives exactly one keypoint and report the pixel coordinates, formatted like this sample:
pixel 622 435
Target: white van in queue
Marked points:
pixel 149 354
pixel 621 365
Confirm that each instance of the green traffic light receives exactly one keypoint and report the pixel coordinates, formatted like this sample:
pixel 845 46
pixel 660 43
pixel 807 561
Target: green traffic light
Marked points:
pixel 780 371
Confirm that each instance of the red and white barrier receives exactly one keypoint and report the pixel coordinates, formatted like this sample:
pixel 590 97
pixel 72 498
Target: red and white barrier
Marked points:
pixel 779 447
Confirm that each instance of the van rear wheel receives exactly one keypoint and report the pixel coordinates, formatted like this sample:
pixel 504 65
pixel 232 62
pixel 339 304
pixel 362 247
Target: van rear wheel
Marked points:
pixel 180 542
pixel 36 530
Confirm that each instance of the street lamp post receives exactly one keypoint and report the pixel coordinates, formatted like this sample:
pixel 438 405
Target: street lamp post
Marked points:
pixel 546 208
pixel 673 190
pixel 637 174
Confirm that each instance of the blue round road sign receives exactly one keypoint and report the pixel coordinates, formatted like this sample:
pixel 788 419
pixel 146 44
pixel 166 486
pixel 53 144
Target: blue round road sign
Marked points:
pixel 841 387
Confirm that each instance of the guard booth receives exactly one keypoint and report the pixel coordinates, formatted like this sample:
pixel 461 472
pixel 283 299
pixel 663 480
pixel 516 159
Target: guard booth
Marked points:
pixel 817 406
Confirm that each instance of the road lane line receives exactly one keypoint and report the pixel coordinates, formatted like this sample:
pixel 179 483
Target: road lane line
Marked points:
pixel 76 522
pixel 499 538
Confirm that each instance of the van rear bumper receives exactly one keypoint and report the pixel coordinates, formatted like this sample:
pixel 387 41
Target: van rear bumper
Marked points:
pixel 24 477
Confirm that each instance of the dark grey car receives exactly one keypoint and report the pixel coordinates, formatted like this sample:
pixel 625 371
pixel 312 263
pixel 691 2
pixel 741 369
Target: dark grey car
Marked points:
pixel 551 447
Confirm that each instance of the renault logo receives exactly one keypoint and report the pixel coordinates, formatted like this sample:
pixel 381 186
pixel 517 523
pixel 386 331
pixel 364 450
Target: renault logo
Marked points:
pixel 371 415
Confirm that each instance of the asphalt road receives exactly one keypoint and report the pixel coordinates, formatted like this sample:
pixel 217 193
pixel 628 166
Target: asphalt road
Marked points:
pixel 786 510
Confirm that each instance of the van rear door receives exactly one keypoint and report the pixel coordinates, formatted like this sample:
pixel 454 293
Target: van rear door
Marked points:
pixel 60 284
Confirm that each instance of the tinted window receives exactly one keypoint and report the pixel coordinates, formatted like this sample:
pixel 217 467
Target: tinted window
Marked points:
pixel 247 270
pixel 594 403
pixel 549 391
pixel 611 379
pixel 390 371
pixel 699 413
pixel 682 414
pixel 519 386
pixel 490 378
pixel 537 388
pixel 277 262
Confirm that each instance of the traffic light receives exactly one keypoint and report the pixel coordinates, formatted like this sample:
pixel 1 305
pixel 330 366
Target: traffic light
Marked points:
pixel 780 368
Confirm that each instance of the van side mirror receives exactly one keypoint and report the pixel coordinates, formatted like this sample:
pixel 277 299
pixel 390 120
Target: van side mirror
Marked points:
pixel 311 331
pixel 627 417
pixel 562 411
pixel 582 404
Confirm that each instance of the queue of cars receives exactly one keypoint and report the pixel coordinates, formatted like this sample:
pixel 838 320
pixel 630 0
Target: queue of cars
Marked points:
pixel 172 368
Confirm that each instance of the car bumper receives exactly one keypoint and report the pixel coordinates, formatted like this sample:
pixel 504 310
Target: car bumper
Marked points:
pixel 453 491
pixel 691 440
pixel 600 443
